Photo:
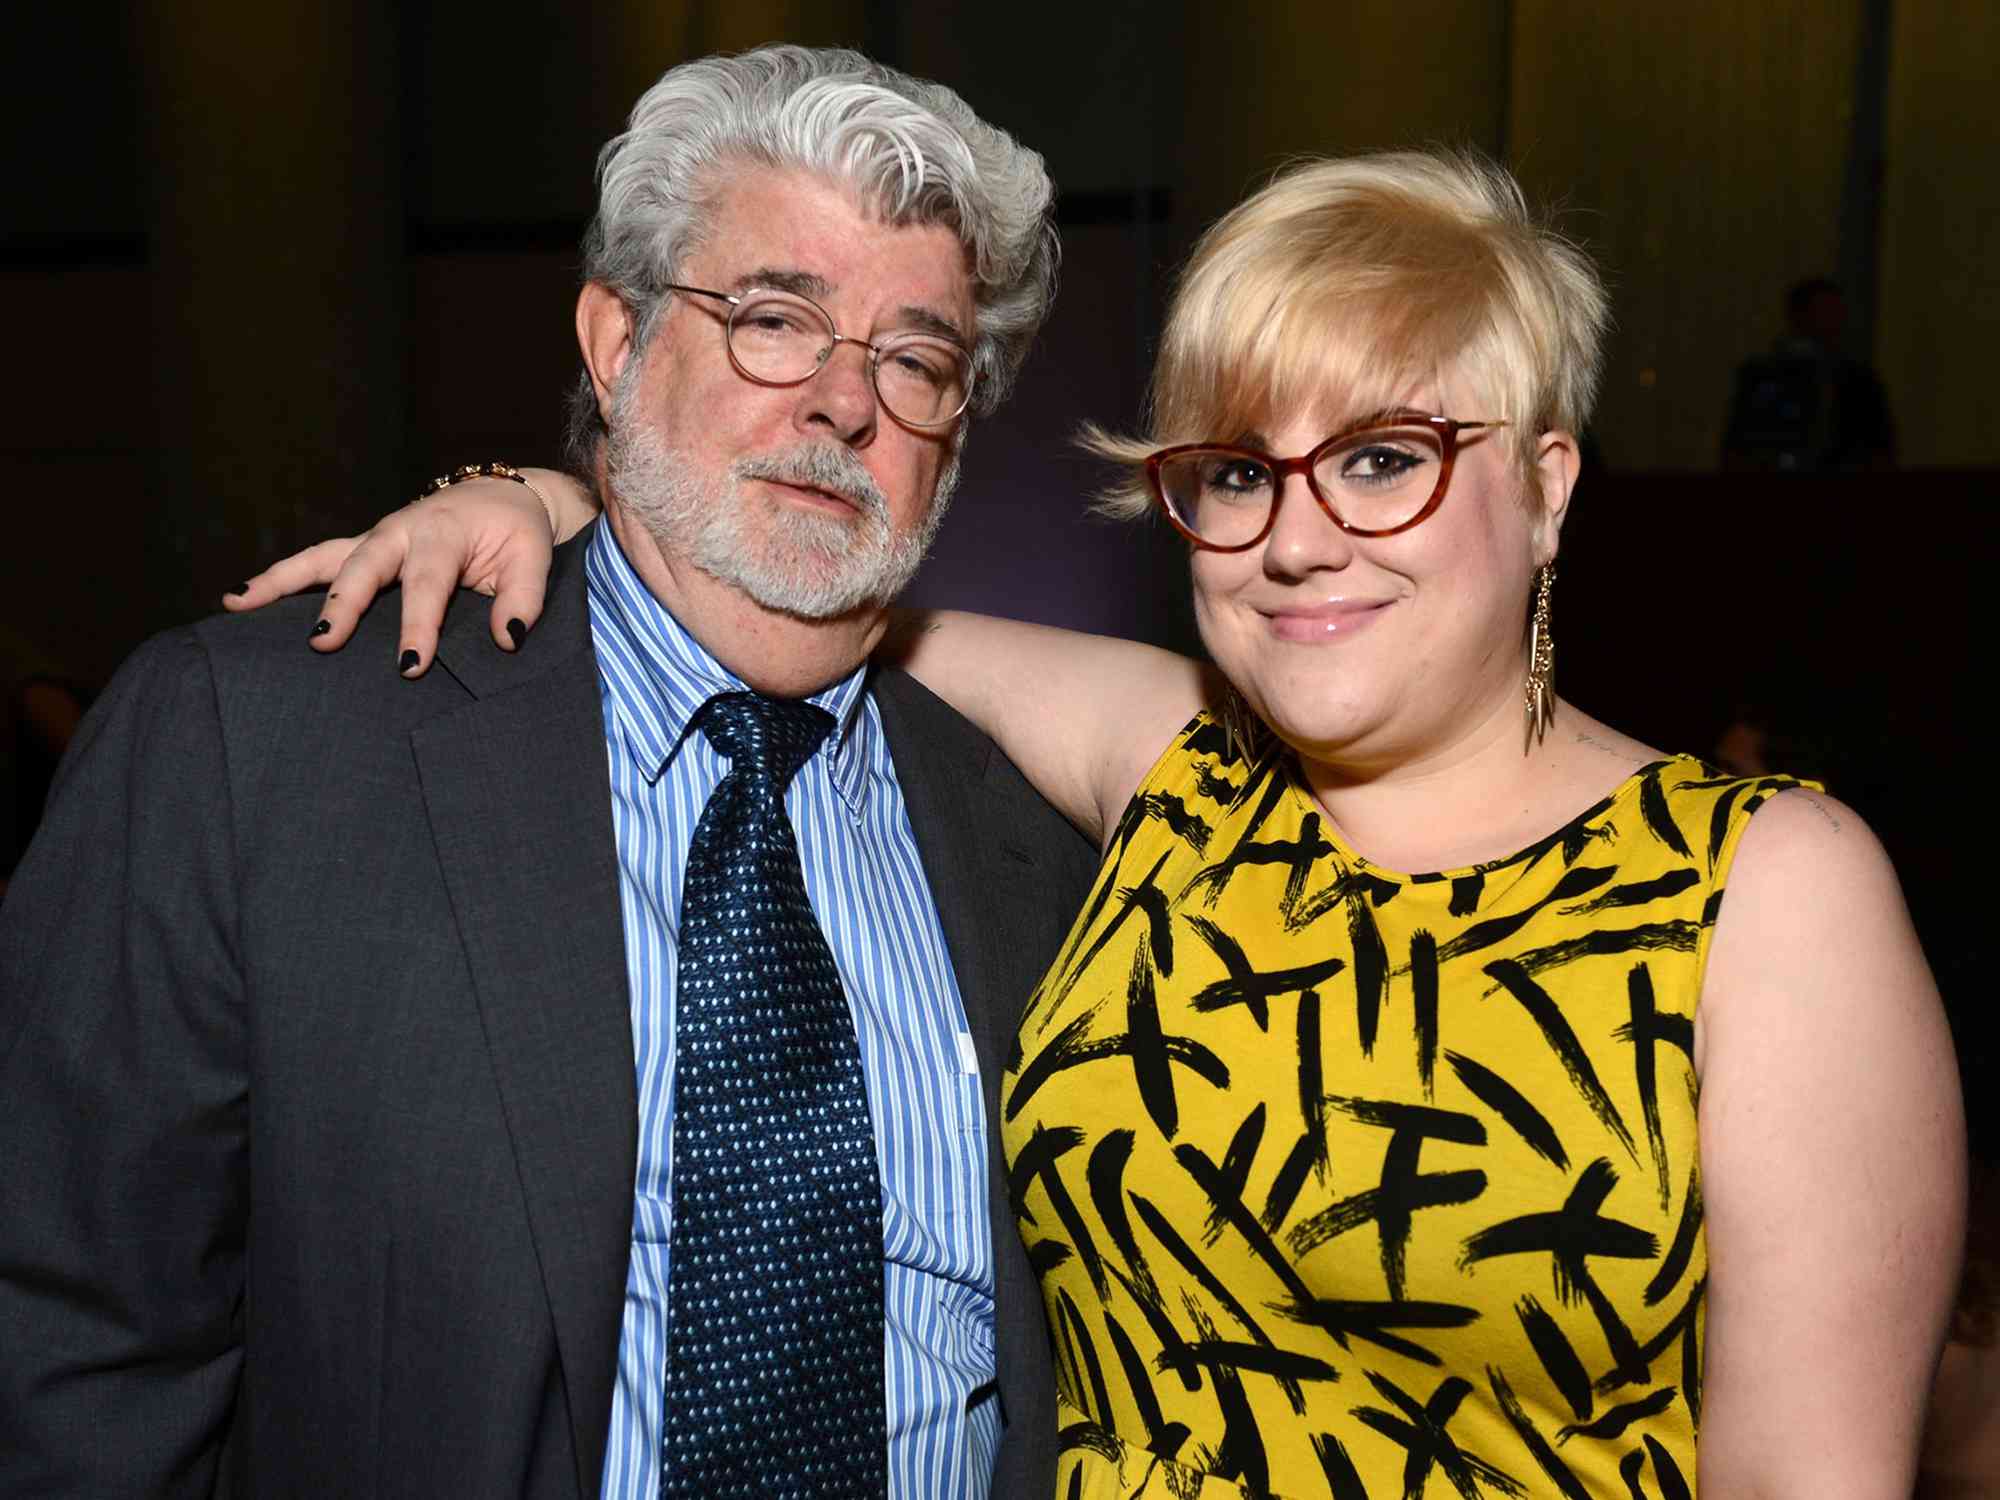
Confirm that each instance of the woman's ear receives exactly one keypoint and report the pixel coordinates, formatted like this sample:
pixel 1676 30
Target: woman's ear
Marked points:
pixel 1557 459
pixel 604 334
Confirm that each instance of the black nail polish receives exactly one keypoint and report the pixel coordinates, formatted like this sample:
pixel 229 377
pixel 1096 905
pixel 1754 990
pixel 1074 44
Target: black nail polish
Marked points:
pixel 241 588
pixel 322 627
pixel 407 662
pixel 517 633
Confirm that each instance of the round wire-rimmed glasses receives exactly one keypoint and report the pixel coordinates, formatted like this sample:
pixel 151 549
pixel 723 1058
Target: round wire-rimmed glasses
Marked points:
pixel 780 338
pixel 1382 477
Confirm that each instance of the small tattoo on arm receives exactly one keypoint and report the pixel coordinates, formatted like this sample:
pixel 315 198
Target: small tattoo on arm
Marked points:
pixel 1822 809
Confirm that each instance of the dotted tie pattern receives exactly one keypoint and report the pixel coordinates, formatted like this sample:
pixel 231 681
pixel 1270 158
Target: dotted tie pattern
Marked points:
pixel 774 1345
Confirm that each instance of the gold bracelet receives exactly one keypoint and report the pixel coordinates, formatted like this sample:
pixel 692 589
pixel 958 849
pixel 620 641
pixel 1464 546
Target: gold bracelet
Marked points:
pixel 495 470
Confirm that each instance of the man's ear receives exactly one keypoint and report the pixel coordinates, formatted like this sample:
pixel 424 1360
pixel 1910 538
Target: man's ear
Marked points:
pixel 604 334
pixel 1557 459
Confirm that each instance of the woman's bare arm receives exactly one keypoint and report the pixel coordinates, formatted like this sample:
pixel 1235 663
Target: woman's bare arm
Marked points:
pixel 493 535
pixel 1833 1167
pixel 1083 716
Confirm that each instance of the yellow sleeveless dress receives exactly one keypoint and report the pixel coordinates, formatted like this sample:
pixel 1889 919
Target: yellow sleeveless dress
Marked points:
pixel 1342 1182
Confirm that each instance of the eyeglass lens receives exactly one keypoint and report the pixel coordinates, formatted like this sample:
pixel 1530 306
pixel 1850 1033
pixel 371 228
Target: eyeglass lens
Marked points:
pixel 782 339
pixel 1374 481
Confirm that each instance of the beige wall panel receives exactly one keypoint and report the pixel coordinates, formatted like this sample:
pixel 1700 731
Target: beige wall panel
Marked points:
pixel 276 278
pixel 1263 82
pixel 640 39
pixel 1938 318
pixel 1701 148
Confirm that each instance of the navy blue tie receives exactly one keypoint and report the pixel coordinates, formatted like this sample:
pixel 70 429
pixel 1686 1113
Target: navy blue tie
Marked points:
pixel 774 1343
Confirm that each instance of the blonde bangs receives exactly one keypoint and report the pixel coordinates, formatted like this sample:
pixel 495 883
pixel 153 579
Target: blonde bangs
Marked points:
pixel 1342 285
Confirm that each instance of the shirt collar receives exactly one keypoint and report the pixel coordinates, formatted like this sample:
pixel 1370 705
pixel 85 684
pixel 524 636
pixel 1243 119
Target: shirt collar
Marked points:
pixel 657 675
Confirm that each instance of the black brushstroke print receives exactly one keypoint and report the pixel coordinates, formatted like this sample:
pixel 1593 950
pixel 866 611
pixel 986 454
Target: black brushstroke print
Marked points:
pixel 1291 1178
pixel 1718 823
pixel 1240 1455
pixel 1659 817
pixel 1106 1177
pixel 1296 855
pixel 1229 1209
pixel 1371 1322
pixel 1559 1473
pixel 1673 1484
pixel 1465 892
pixel 1069 1050
pixel 1630 1467
pixel 1209 738
pixel 1051 996
pixel 1420 1431
pixel 1312 1081
pixel 1204 1190
pixel 1403 1190
pixel 1636 893
pixel 1217 789
pixel 1244 985
pixel 1678 935
pixel 1162 1437
pixel 1643 1030
pixel 1562 1040
pixel 1342 1481
pixel 1614 1422
pixel 1347 886
pixel 1674 1264
pixel 1558 1356
pixel 1574 883
pixel 1371 971
pixel 1189 828
pixel 1424 1006
pixel 1514 1108
pixel 1077 1335
pixel 1572 1237
pixel 1173 1348
pixel 1038 1162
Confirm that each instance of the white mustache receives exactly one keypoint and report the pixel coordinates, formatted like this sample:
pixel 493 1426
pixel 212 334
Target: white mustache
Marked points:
pixel 819 467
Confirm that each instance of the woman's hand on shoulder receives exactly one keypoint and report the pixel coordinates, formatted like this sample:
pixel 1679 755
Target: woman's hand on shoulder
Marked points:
pixel 492 535
pixel 1833 1165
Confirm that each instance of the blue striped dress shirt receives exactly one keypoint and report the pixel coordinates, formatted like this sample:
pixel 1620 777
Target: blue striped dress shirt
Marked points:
pixel 867 886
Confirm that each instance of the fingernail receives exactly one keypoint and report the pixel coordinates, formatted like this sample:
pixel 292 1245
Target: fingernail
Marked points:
pixel 517 633
pixel 322 627
pixel 407 662
pixel 241 588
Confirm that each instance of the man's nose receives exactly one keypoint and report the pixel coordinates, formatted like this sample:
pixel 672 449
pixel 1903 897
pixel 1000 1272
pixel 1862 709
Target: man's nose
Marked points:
pixel 842 395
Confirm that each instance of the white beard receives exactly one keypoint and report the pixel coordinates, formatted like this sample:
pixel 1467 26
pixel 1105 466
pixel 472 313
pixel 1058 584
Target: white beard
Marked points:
pixel 815 567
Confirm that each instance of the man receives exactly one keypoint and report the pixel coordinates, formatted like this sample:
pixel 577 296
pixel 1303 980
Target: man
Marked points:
pixel 1807 406
pixel 340 1015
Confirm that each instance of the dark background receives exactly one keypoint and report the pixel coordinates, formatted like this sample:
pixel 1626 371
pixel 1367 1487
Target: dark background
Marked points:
pixel 265 267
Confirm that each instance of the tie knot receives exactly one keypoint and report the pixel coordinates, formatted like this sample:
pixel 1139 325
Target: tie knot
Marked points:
pixel 771 735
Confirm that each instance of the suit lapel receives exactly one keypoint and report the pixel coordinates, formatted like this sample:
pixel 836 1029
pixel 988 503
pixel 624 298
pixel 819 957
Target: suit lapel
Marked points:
pixel 518 794
pixel 982 876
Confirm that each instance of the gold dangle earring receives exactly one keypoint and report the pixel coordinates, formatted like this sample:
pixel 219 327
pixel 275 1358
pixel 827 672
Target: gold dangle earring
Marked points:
pixel 1541 695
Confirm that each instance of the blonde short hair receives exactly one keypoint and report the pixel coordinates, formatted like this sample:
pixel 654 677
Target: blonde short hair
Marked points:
pixel 1342 282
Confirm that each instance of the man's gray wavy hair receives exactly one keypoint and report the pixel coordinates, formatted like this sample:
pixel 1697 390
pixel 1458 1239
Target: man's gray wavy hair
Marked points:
pixel 914 150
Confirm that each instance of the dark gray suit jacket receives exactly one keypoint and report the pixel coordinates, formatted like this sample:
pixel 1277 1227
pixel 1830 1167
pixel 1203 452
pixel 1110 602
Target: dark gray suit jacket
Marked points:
pixel 317 1109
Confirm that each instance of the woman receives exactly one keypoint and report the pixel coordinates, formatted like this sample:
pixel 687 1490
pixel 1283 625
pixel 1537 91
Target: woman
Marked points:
pixel 1409 1112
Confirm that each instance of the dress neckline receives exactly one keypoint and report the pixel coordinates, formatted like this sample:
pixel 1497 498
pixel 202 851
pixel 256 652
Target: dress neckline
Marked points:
pixel 1624 791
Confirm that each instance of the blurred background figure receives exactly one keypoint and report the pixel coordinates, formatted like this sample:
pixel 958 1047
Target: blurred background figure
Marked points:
pixel 1809 406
